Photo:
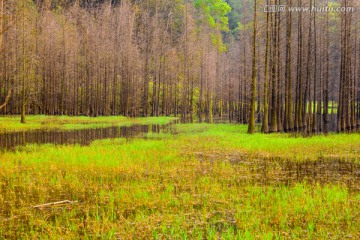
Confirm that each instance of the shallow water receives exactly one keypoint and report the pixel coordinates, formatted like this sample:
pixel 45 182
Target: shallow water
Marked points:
pixel 251 171
pixel 277 171
pixel 11 140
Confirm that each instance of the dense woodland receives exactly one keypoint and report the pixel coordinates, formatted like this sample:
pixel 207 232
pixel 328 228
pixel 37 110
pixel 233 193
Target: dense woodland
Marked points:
pixel 289 71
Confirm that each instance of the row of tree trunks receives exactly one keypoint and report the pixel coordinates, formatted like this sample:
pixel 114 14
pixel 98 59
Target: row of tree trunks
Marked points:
pixel 291 72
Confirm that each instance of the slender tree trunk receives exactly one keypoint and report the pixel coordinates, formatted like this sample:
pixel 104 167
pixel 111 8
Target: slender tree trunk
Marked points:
pixel 326 84
pixel 265 125
pixel 289 124
pixel 251 128
pixel 274 91
pixel 23 91
pixel 308 101
pixel 279 102
pixel 314 75
pixel 299 75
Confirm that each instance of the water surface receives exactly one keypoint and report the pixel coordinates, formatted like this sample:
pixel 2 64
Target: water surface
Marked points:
pixel 278 171
pixel 11 140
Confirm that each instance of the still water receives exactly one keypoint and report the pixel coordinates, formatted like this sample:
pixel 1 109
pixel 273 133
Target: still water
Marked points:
pixel 11 140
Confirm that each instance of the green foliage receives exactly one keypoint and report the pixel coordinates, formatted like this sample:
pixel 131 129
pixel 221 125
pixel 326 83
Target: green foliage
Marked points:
pixel 236 13
pixel 215 13
pixel 242 27
pixel 216 40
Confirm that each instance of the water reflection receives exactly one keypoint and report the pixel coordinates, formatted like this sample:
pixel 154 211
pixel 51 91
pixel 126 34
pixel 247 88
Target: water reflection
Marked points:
pixel 11 140
pixel 228 119
pixel 280 171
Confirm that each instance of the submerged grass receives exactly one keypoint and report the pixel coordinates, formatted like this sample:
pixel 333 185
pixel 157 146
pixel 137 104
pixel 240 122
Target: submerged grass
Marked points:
pixel 164 188
pixel 43 122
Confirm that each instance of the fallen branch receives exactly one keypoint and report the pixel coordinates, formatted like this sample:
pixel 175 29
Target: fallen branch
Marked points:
pixel 6 100
pixel 55 204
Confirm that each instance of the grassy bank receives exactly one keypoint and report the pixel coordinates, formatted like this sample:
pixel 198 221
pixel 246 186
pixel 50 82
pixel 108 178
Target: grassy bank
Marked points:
pixel 191 182
pixel 37 122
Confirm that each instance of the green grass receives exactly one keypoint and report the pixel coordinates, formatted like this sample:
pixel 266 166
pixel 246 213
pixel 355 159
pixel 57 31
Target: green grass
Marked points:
pixel 166 188
pixel 36 122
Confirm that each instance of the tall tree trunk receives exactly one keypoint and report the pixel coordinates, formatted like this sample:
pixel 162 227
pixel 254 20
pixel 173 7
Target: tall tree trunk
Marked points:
pixel 308 101
pixel 23 90
pixel 299 76
pixel 274 91
pixel 251 128
pixel 279 102
pixel 289 124
pixel 265 124
pixel 326 84
pixel 314 75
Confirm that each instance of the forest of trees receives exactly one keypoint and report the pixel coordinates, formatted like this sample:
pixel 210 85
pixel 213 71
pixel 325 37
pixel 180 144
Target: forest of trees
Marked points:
pixel 287 71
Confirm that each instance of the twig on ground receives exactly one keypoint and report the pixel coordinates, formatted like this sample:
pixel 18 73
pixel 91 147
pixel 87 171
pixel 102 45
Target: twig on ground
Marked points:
pixel 55 204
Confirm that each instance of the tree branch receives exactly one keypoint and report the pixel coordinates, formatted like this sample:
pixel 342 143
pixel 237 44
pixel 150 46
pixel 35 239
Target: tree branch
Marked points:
pixel 6 100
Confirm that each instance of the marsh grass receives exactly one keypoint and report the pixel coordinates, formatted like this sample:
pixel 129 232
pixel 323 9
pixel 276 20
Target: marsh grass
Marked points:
pixel 178 184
